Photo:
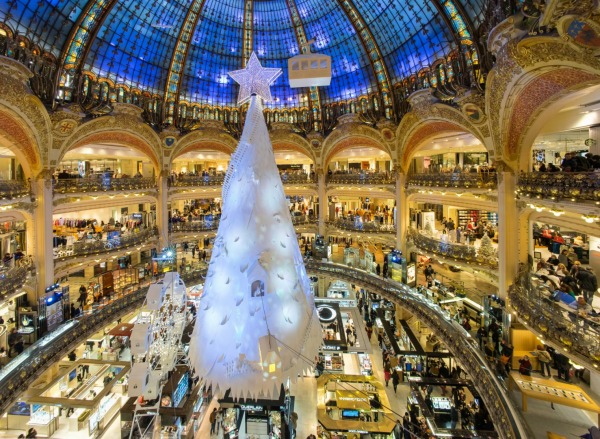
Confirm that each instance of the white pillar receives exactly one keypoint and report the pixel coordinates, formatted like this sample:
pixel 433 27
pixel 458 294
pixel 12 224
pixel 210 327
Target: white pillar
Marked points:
pixel 594 134
pixel 508 231
pixel 323 204
pixel 402 212
pixel 162 206
pixel 42 224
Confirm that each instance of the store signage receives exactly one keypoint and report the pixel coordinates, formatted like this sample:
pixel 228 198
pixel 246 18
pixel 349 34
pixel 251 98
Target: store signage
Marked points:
pixel 251 408
pixel 328 347
pixel 326 313
pixel 358 431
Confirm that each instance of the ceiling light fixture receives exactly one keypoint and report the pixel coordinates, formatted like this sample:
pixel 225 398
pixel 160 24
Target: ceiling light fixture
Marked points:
pixel 557 212
pixel 589 218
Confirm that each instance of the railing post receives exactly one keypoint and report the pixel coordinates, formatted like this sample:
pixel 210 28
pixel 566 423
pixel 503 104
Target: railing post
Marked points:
pixel 42 245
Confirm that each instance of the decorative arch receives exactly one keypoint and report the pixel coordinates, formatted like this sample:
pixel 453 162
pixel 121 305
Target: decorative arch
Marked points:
pixel 422 131
pixel 533 102
pixel 348 135
pixel 530 75
pixel 125 130
pixel 213 139
pixel 289 140
pixel 19 139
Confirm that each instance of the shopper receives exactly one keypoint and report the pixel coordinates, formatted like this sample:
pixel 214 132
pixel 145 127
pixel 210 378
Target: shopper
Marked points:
pixel 219 419
pixel 525 366
pixel 213 421
pixel 481 335
pixel 395 379
pixel 545 359
pixel 588 283
pixel 387 373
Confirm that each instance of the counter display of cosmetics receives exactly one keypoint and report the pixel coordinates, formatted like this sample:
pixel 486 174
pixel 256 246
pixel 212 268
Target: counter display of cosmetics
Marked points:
pixel 365 364
pixel 230 424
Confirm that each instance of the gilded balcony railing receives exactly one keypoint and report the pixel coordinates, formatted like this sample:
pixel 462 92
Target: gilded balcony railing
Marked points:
pixel 96 246
pixel 197 180
pixel 194 226
pixel 462 180
pixel 12 279
pixel 100 184
pixel 360 226
pixel 11 189
pixel 460 252
pixel 560 186
pixel 297 178
pixel 361 178
pixel 576 333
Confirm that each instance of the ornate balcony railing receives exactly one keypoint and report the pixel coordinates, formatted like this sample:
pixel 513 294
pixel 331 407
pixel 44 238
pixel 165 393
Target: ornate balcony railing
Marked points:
pixel 11 189
pixel 361 226
pixel 194 226
pixel 505 417
pixel 579 335
pixel 197 180
pixel 367 178
pixel 93 184
pixel 560 186
pixel 460 252
pixel 299 220
pixel 22 370
pixel 13 279
pixel 463 180
pixel 91 247
pixel 300 178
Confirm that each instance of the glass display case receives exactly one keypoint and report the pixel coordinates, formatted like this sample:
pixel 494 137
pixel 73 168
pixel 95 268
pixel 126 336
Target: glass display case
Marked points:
pixel 43 419
pixel 332 362
pixel 366 367
pixel 275 425
pixel 230 423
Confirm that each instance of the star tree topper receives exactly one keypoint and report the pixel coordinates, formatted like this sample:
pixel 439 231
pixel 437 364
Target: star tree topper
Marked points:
pixel 254 79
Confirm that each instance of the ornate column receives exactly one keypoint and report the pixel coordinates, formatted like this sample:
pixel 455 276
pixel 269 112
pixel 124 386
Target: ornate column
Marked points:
pixel 41 186
pixel 402 218
pixel 323 203
pixel 510 232
pixel 162 209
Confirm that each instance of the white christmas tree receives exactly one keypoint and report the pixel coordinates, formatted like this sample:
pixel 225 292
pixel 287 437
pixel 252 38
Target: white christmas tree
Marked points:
pixel 486 252
pixel 257 324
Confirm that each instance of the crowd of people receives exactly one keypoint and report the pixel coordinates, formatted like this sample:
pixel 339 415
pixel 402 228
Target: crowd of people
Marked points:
pixel 572 162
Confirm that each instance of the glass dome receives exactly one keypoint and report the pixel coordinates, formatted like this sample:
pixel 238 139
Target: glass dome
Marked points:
pixel 184 49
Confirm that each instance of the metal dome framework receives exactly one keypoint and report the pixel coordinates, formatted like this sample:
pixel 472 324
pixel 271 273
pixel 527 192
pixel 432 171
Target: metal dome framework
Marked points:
pixel 170 57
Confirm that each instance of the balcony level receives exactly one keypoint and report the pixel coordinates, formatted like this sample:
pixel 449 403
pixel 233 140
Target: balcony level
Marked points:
pixel 456 180
pixel 579 190
pixel 565 329
pixel 79 251
pixel 375 178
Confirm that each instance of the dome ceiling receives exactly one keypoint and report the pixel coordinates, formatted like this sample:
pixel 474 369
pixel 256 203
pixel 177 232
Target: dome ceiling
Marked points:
pixel 187 47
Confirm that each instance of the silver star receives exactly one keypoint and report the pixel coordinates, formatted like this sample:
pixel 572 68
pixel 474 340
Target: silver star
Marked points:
pixel 254 79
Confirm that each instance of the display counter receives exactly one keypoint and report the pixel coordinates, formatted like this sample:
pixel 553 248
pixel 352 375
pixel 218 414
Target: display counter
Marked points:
pixel 353 403
pixel 552 391
pixel 44 421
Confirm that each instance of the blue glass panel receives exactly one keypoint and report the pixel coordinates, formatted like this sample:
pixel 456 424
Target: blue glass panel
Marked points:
pixel 145 32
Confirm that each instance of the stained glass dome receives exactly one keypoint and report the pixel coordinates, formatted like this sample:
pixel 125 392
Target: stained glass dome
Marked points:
pixel 182 49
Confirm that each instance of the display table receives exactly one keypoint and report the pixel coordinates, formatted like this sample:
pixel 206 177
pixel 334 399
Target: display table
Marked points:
pixel 552 391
